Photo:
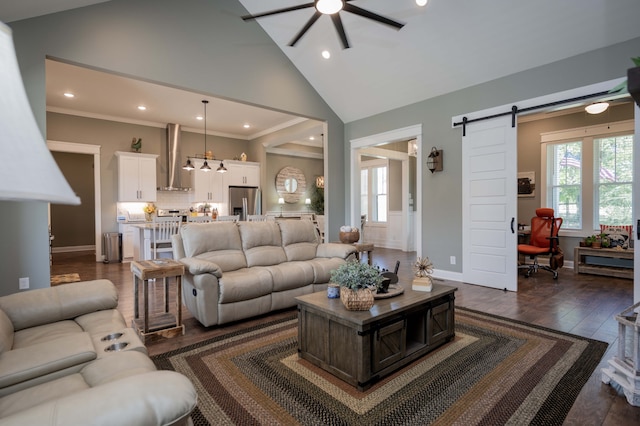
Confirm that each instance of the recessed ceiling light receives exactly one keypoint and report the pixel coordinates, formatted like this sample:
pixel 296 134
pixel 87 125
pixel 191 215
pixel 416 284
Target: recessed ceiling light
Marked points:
pixel 246 126
pixel 69 95
pixel 199 117
pixel 142 107
pixel 421 2
pixel 326 54
pixel 311 138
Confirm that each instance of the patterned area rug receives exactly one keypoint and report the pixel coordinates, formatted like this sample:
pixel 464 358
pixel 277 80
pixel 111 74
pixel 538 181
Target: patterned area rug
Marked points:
pixel 496 371
pixel 64 278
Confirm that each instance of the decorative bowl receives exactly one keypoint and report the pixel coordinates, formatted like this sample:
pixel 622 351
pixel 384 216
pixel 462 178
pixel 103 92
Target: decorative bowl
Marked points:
pixel 349 237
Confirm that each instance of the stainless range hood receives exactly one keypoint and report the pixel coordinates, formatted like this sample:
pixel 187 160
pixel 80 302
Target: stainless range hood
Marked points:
pixel 174 160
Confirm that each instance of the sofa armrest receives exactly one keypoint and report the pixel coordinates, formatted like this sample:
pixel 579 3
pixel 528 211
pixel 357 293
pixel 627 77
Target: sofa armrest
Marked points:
pixel 24 364
pixel 335 250
pixel 48 305
pixel 200 266
pixel 153 398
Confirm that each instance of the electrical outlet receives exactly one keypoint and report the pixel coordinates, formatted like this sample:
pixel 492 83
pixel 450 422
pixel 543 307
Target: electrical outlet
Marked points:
pixel 452 260
pixel 23 283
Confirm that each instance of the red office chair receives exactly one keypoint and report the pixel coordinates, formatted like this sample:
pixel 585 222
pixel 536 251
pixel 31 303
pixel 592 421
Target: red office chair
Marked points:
pixel 543 240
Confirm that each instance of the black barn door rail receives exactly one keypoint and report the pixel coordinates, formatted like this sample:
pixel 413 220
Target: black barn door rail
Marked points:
pixel 514 110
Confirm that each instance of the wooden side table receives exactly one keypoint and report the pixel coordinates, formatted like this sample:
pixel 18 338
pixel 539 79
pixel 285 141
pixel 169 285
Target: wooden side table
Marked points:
pixel 163 324
pixel 364 247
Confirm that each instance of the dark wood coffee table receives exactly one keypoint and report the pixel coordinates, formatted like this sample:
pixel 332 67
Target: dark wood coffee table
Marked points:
pixel 360 347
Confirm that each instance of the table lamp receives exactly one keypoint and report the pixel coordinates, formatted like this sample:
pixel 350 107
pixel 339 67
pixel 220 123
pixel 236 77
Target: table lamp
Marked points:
pixel 281 202
pixel 21 142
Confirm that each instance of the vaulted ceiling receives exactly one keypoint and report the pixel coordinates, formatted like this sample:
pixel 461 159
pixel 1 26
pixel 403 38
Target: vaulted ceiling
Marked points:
pixel 445 46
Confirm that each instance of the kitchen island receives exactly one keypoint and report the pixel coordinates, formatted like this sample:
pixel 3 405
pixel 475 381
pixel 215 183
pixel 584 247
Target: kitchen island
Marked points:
pixel 142 241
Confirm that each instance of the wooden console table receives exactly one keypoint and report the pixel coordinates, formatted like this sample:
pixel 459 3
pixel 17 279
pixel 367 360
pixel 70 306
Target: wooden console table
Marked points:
pixel 163 324
pixel 360 347
pixel 582 262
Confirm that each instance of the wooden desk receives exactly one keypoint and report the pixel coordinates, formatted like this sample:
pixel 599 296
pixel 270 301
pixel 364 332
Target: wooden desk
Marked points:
pixel 163 324
pixel 583 262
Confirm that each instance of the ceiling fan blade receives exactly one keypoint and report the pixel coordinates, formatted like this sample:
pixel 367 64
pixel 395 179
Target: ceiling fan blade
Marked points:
pixel 366 14
pixel 304 29
pixel 275 12
pixel 337 22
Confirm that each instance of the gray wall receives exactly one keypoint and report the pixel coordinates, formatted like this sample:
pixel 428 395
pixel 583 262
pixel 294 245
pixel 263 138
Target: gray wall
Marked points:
pixel 275 162
pixel 197 45
pixel 442 192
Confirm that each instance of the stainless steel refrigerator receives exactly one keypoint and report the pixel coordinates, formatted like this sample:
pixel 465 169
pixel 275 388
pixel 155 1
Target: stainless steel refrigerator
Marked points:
pixel 244 200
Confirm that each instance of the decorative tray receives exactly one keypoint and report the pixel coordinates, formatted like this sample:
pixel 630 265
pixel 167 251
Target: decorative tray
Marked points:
pixel 394 290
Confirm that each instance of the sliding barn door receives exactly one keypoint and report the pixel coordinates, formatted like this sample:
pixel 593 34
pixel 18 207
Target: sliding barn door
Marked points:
pixel 489 179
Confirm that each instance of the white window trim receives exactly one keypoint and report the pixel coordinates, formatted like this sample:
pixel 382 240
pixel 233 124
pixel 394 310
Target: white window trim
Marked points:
pixel 368 165
pixel 586 135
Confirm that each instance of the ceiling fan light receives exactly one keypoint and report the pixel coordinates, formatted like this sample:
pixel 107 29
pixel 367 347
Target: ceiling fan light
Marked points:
pixel 329 7
pixel 597 108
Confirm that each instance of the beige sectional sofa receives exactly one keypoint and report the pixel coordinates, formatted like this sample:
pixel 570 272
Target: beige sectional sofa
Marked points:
pixel 240 270
pixel 68 358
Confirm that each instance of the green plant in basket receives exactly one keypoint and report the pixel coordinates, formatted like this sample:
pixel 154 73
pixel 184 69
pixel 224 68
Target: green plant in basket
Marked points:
pixel 355 276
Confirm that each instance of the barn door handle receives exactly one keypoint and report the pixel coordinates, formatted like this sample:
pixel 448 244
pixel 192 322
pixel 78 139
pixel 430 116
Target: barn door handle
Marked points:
pixel 638 229
pixel 513 219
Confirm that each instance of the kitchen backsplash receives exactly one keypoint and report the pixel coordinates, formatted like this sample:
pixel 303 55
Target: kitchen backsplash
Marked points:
pixel 165 200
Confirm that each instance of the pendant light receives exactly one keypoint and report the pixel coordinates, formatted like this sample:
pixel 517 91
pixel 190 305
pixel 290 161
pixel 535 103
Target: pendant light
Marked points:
pixel 188 166
pixel 205 167
pixel 221 168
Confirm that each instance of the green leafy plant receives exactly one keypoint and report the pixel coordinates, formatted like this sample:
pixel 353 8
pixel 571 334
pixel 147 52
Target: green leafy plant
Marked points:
pixel 317 200
pixel 355 275
pixel 622 87
pixel 589 240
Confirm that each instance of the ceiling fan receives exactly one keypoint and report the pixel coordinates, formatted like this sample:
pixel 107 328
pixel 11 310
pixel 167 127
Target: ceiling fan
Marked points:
pixel 331 8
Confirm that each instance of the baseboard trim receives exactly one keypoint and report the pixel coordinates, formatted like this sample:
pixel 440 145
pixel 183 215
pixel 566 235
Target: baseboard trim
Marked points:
pixel 70 249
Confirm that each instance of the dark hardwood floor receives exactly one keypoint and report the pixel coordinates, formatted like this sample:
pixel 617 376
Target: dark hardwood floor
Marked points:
pixel 580 304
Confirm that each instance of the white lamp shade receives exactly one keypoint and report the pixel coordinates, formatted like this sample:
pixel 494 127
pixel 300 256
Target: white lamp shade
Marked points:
pixel 280 200
pixel 307 201
pixel 21 142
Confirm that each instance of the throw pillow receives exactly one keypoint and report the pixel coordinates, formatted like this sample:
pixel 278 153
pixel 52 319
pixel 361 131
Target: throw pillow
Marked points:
pixel 618 234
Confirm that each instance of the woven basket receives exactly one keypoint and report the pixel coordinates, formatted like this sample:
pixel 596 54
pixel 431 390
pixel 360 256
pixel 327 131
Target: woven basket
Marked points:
pixel 356 300
pixel 349 237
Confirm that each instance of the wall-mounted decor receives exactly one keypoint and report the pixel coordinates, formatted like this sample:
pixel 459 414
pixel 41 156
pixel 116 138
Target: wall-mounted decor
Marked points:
pixel 320 182
pixel 291 184
pixel 526 184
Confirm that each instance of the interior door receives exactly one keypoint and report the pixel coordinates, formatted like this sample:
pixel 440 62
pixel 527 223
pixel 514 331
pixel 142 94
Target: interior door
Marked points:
pixel 489 179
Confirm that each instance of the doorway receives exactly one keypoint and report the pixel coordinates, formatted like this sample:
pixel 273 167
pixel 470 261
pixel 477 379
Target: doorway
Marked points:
pixel 408 223
pixel 94 150
pixel 472 278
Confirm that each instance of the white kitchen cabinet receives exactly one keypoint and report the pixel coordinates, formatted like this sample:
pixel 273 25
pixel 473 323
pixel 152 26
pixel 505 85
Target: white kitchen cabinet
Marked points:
pixel 127 232
pixel 242 173
pixel 207 186
pixel 136 177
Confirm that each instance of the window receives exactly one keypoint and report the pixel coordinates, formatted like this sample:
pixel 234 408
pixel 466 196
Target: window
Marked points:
pixel 587 176
pixel 373 190
pixel 614 182
pixel 566 182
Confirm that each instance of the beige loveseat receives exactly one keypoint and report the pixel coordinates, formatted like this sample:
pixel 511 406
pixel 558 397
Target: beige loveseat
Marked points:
pixel 240 270
pixel 58 365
